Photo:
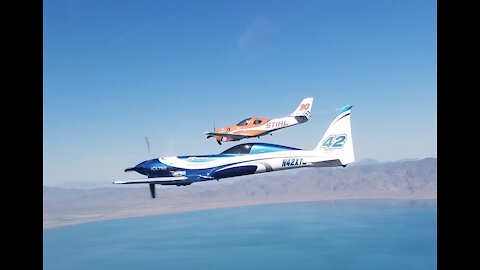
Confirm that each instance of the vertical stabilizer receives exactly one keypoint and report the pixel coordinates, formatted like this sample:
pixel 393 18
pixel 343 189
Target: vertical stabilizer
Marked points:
pixel 304 108
pixel 337 142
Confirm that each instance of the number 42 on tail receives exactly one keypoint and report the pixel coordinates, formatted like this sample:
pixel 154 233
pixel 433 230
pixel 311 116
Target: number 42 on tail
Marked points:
pixel 334 141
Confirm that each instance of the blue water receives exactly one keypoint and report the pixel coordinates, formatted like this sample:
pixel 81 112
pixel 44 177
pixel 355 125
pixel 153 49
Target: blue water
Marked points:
pixel 357 234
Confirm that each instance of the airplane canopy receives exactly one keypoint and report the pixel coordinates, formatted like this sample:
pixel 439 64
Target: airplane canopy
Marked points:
pixel 244 122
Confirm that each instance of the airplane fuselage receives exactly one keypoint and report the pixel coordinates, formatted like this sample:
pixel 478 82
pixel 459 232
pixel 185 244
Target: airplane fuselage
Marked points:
pixel 261 158
pixel 257 126
pixel 256 130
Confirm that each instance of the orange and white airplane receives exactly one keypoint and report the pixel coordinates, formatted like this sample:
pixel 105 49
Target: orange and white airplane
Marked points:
pixel 257 126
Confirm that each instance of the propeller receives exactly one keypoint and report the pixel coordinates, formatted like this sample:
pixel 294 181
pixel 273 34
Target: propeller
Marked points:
pixel 152 186
pixel 214 128
pixel 219 142
pixel 152 190
pixel 148 149
pixel 148 144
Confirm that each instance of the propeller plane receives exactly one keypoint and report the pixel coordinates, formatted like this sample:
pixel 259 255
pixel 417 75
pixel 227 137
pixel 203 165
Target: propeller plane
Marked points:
pixel 256 126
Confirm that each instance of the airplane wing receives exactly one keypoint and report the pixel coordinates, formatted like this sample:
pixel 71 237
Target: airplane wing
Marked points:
pixel 157 180
pixel 227 135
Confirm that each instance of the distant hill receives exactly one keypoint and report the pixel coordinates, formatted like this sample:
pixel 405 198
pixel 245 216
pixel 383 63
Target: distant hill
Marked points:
pixel 85 184
pixel 413 179
pixel 365 161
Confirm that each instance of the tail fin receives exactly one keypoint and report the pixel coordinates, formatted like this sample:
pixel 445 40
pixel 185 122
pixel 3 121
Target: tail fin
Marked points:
pixel 337 142
pixel 304 108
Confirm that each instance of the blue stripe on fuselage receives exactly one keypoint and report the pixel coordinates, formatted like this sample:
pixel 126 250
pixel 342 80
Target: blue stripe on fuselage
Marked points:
pixel 235 171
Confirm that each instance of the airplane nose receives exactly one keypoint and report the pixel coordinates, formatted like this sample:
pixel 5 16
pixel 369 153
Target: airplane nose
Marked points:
pixel 140 168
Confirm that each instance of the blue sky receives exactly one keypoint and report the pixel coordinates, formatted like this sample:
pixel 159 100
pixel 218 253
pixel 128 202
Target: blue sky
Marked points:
pixel 117 71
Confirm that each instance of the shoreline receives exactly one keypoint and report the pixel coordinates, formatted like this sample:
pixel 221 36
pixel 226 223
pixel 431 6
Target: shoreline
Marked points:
pixel 71 220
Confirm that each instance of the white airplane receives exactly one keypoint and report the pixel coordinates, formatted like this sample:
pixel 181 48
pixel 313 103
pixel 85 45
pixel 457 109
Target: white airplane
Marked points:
pixel 256 126
pixel 335 148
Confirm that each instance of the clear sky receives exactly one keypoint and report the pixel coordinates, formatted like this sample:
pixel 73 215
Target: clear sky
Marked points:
pixel 117 71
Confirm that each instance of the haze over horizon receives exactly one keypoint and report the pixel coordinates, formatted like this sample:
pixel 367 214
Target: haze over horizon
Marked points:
pixel 115 72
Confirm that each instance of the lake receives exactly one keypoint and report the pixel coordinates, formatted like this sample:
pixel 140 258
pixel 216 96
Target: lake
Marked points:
pixel 343 234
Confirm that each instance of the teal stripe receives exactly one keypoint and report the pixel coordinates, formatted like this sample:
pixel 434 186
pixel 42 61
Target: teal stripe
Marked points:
pixel 344 109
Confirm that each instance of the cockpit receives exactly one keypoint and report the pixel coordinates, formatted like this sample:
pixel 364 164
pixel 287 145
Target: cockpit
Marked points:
pixel 244 122
pixel 256 121
pixel 255 148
